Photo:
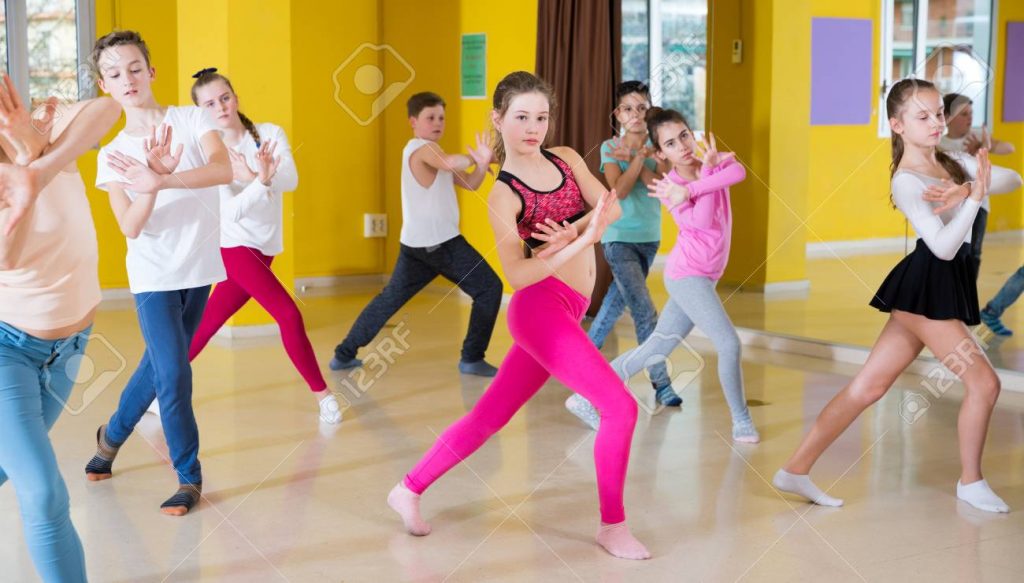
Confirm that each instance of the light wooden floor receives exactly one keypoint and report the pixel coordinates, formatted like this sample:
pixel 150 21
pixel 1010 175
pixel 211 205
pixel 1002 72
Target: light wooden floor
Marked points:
pixel 288 502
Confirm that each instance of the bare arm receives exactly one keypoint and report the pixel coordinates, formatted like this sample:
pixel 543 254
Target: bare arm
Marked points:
pixel 433 155
pixel 590 187
pixel 131 215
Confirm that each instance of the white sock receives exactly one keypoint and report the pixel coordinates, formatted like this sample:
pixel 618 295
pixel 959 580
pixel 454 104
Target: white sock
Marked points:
pixel 330 411
pixel 802 485
pixel 980 495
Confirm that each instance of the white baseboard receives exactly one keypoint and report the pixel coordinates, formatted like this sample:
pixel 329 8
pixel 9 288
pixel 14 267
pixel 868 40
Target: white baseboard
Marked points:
pixel 240 332
pixel 832 249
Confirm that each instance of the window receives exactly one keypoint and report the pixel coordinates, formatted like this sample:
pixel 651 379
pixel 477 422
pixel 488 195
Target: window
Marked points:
pixel 664 42
pixel 948 42
pixel 46 48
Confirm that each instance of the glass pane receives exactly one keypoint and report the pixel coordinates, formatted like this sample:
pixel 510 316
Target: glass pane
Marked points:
pixel 957 50
pixel 904 21
pixel 52 50
pixel 3 35
pixel 683 70
pixel 635 40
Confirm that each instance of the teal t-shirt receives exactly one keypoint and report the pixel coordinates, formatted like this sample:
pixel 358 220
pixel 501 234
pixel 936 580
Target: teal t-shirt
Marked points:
pixel 641 214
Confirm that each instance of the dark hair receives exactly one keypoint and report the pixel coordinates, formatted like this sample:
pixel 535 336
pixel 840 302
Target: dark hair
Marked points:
pixel 115 39
pixel 508 88
pixel 209 75
pixel 421 101
pixel 657 117
pixel 628 87
pixel 951 100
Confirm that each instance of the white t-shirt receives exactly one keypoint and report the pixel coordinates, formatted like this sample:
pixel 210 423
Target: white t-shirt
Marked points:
pixel 954 145
pixel 179 246
pixel 430 215
pixel 251 213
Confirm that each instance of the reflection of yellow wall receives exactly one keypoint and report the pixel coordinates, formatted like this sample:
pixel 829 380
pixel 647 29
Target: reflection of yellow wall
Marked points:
pixel 1007 211
pixel 848 195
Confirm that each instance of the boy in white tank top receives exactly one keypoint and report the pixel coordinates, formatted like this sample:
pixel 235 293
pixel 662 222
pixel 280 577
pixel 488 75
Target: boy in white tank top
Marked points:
pixel 431 244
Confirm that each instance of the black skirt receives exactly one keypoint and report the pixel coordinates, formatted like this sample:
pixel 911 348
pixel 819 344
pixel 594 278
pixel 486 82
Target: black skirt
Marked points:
pixel 934 288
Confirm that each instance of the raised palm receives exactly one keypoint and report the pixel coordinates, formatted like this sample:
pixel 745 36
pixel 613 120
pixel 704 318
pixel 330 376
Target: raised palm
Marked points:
pixel 159 155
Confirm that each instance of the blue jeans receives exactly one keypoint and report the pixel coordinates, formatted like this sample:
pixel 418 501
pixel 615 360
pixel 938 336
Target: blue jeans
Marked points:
pixel 168 321
pixel 1008 294
pixel 36 378
pixel 630 263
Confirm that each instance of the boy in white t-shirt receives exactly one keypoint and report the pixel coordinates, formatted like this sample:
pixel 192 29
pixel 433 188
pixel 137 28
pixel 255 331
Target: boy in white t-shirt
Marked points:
pixel 961 137
pixel 162 172
pixel 431 244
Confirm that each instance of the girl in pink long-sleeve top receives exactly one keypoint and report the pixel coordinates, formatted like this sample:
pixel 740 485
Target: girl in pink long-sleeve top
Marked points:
pixel 696 193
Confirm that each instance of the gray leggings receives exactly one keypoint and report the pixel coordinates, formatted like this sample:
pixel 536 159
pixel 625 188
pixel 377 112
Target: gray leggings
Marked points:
pixel 693 301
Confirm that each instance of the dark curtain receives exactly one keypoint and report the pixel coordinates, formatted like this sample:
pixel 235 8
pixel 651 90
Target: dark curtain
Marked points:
pixel 579 52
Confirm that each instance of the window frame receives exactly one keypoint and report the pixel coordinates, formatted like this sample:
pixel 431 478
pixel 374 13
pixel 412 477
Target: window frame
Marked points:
pixel 920 45
pixel 17 47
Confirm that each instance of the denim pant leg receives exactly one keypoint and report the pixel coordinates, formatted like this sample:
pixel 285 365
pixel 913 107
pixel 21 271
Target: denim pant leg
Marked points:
pixel 612 307
pixel 630 263
pixel 168 321
pixel 978 238
pixel 1007 295
pixel 27 391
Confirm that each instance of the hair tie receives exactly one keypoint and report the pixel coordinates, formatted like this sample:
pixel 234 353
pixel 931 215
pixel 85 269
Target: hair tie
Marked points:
pixel 205 71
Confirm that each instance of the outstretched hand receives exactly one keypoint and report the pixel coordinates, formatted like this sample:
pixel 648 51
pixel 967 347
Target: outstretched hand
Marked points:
pixel 557 236
pixel 158 151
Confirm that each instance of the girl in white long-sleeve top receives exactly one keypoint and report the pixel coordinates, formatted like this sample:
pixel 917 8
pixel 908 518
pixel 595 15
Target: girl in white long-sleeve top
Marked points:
pixel 251 231
pixel 931 296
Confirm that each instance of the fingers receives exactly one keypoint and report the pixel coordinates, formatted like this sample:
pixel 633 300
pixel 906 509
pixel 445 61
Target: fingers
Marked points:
pixel 13 97
pixel 714 145
pixel 177 153
pixel 12 221
pixel 5 95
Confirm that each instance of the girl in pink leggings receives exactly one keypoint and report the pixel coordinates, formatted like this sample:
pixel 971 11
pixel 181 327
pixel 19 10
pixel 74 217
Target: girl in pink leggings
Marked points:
pixel 540 198
pixel 251 232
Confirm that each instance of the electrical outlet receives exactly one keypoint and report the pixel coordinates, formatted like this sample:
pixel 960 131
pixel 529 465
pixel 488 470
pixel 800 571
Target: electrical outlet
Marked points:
pixel 375 225
pixel 737 51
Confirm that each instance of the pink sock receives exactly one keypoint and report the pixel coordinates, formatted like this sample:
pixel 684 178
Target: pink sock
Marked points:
pixel 618 541
pixel 407 504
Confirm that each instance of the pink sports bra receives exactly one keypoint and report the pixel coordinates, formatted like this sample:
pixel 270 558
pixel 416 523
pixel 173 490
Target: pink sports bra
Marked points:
pixel 564 203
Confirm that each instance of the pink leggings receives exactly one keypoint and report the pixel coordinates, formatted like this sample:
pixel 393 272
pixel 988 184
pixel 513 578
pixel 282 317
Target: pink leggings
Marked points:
pixel 249 276
pixel 544 320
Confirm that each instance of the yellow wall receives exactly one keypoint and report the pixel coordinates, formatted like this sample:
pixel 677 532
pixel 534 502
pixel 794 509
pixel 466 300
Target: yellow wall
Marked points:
pixel 339 159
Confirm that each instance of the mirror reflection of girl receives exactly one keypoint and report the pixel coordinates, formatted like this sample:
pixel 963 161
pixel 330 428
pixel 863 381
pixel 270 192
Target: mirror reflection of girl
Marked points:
pixel 540 198
pixel 251 232
pixel 931 296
